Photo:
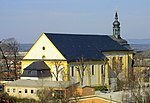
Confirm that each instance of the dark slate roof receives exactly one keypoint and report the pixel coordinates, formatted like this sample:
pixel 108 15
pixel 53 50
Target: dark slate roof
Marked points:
pixel 41 65
pixel 90 47
pixel 37 69
pixel 122 42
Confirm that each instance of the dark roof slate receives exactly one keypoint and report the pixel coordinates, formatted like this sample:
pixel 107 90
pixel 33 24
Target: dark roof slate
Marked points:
pixel 90 47
pixel 41 65
pixel 37 69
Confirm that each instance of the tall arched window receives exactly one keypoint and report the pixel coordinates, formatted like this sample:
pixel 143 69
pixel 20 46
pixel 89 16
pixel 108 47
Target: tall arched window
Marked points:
pixel 92 70
pixel 103 70
pixel 114 63
pixel 120 60
pixel 72 71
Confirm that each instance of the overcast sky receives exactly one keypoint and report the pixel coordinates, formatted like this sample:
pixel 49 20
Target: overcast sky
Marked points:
pixel 27 19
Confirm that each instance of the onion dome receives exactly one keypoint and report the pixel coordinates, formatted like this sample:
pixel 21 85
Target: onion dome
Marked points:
pixel 116 22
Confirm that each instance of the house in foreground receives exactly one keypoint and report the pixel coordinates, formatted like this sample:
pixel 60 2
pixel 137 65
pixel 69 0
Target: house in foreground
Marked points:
pixel 34 78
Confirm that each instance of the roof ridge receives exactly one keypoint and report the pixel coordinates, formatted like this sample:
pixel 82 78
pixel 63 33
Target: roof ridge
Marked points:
pixel 77 34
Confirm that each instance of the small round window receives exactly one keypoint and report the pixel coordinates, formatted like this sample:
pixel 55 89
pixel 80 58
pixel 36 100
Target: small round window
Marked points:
pixel 43 47
pixel 43 57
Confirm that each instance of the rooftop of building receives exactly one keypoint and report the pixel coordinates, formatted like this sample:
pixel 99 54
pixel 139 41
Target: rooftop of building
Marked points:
pixel 37 69
pixel 88 46
pixel 39 83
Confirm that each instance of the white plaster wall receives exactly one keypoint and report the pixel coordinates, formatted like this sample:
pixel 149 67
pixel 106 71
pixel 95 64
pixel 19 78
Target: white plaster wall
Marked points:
pixel 36 78
pixel 30 78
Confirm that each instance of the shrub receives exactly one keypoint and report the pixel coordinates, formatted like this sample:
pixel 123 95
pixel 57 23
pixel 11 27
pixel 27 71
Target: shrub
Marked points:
pixel 21 100
pixel 3 96
pixel 101 88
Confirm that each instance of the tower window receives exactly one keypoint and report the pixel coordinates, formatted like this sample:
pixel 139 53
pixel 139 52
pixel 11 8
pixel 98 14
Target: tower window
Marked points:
pixel 93 71
pixel 43 47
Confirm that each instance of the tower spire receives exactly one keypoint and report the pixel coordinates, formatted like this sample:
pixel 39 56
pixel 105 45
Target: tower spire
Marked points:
pixel 116 16
pixel 116 27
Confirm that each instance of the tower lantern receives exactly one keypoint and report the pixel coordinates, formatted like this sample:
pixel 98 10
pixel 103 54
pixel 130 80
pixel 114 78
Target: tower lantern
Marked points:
pixel 116 27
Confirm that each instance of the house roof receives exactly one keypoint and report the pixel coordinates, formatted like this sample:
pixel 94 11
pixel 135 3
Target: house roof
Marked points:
pixel 40 83
pixel 41 65
pixel 37 69
pixel 90 47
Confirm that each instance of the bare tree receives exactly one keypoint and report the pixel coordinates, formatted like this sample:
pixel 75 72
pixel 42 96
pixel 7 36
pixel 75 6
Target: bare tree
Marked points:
pixel 135 88
pixel 117 70
pixel 81 67
pixel 73 94
pixel 45 95
pixel 9 50
pixel 59 95
pixel 58 69
pixel 3 50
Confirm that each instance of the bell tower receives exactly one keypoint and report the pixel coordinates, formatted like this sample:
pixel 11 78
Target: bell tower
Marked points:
pixel 116 27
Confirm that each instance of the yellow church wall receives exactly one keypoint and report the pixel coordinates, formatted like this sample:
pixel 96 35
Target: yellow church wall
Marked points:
pixel 92 80
pixel 108 64
pixel 106 75
pixel 126 56
pixel 99 76
pixel 126 64
pixel 126 59
pixel 88 75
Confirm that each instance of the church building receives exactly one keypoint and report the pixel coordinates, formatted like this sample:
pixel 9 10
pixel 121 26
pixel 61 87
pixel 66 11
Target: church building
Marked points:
pixel 94 60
